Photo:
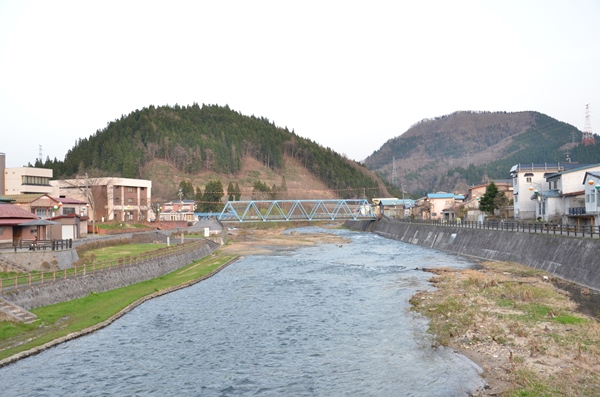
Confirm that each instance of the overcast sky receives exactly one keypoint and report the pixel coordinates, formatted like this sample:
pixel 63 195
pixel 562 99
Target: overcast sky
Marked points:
pixel 349 75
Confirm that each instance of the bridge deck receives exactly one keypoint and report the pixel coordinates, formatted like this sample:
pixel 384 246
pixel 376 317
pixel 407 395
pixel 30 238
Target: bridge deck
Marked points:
pixel 296 210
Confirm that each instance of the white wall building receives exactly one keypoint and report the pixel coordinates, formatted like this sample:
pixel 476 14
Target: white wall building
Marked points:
pixel 591 182
pixel 23 180
pixel 527 178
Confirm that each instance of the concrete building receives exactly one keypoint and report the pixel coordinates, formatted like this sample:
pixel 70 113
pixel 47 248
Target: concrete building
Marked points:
pixel 23 180
pixel 110 198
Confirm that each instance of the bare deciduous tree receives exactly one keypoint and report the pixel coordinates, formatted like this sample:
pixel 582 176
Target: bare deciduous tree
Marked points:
pixel 96 191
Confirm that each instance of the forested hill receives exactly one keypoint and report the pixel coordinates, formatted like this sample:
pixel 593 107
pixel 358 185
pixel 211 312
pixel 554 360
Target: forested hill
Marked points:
pixel 452 152
pixel 206 138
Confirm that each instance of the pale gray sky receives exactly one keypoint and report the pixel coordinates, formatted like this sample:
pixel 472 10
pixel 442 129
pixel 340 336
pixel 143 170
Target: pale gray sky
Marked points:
pixel 349 75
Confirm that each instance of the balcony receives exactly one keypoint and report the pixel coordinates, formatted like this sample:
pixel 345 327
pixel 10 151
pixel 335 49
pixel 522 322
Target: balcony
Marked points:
pixel 575 211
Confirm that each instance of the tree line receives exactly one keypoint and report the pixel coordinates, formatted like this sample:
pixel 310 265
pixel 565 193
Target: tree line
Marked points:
pixel 197 138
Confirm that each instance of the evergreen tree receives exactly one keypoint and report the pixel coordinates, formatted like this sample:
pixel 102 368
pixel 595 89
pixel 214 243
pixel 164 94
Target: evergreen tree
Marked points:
pixel 238 192
pixel 187 190
pixel 230 191
pixel 488 203
pixel 211 201
pixel 198 197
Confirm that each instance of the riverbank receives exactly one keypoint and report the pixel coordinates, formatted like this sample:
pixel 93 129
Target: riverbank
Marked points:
pixel 69 320
pixel 524 332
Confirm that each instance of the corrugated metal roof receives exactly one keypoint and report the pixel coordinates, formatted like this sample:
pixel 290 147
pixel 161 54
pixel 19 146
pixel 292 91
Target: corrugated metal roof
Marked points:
pixel 67 200
pixel 14 211
pixel 440 195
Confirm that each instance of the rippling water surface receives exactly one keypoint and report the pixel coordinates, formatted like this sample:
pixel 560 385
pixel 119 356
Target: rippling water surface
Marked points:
pixel 318 321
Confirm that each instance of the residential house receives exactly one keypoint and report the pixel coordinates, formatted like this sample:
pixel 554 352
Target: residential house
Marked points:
pixel 443 206
pixel 11 218
pixel 591 182
pixel 178 210
pixel 476 192
pixel 529 177
pixel 393 207
pixel 565 200
pixel 504 185
pixel 69 215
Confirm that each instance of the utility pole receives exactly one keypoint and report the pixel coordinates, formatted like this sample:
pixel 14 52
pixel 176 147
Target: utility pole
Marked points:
pixel 394 171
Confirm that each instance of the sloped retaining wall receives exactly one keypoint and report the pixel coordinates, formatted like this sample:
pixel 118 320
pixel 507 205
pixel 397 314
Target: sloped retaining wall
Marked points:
pixel 43 260
pixel 65 290
pixel 574 259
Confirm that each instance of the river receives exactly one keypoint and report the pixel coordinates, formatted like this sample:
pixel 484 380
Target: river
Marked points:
pixel 323 320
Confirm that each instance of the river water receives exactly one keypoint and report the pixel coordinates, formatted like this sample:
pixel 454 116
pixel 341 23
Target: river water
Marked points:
pixel 324 320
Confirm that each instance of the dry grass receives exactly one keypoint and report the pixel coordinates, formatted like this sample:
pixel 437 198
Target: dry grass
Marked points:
pixel 524 332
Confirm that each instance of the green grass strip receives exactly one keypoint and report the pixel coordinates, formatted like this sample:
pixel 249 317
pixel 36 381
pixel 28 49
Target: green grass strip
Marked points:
pixel 57 321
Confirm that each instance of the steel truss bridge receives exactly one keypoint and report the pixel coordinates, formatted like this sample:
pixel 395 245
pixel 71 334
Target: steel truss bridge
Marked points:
pixel 296 210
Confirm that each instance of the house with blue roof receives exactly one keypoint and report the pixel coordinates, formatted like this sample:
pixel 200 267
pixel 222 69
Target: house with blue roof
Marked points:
pixel 442 206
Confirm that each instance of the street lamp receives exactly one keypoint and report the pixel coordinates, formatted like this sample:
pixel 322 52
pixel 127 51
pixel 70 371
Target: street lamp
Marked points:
pixel 597 187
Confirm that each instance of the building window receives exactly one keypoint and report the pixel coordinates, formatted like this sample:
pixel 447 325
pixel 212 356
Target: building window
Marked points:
pixel 35 180
pixel 129 201
pixel 68 210
pixel 117 200
pixel 516 199
pixel 528 179
pixel 130 189
pixel 1 230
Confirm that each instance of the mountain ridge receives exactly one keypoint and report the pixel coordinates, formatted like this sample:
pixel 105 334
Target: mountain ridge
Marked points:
pixel 454 151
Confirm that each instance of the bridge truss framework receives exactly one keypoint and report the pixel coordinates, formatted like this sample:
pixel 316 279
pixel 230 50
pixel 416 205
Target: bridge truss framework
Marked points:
pixel 296 210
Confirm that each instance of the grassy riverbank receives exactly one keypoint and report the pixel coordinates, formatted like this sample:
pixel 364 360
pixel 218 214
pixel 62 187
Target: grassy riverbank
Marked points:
pixel 57 321
pixel 524 332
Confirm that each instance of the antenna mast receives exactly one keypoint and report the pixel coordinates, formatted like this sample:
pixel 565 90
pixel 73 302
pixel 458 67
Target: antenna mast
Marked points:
pixel 588 136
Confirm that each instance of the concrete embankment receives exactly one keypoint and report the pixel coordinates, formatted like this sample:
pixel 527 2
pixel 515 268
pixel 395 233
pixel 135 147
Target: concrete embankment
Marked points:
pixel 573 259
pixel 73 288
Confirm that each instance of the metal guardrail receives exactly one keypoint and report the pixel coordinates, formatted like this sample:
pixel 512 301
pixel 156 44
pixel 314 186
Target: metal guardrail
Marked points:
pixel 24 280
pixel 509 225
pixel 53 245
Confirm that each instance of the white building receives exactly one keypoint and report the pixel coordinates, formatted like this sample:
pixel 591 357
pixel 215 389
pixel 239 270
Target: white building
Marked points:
pixel 23 180
pixel 566 200
pixel 591 182
pixel 527 178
